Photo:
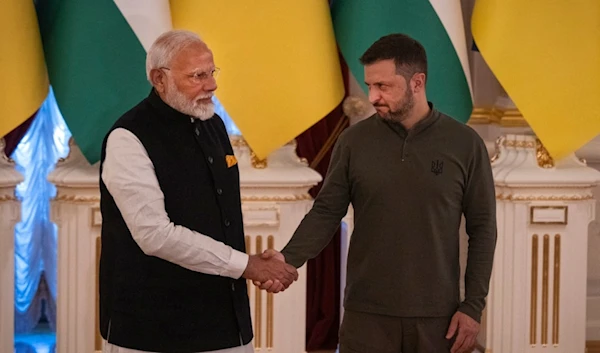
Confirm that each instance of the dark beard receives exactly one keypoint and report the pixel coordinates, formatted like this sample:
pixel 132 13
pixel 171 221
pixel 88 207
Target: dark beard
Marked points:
pixel 400 114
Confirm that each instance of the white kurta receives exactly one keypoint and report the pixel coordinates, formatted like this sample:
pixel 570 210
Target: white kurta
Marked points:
pixel 129 176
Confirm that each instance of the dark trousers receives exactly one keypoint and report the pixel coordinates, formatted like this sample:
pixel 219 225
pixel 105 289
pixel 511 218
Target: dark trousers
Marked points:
pixel 372 333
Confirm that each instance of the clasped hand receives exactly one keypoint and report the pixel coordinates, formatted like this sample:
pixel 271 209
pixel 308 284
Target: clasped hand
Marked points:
pixel 269 271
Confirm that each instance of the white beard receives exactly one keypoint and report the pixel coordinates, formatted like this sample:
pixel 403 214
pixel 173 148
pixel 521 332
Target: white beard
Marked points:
pixel 178 101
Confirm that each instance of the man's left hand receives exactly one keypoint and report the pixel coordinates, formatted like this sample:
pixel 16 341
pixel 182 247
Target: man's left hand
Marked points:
pixel 465 329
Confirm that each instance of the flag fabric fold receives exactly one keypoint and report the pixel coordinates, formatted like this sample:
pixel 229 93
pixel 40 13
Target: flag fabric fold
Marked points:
pixel 437 24
pixel 280 71
pixel 25 82
pixel 546 55
pixel 95 56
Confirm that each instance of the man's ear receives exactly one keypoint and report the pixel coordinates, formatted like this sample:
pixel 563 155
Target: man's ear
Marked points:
pixel 418 82
pixel 158 78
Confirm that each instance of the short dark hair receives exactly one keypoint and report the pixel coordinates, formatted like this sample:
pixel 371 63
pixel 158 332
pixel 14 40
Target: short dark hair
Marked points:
pixel 408 54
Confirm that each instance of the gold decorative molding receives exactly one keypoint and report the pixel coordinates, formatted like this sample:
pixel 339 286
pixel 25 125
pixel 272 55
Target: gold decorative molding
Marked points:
pixel 238 142
pixel 500 142
pixel 282 187
pixel 95 217
pixel 76 198
pixel 575 197
pixel 556 291
pixel 511 118
pixel 261 216
pixel 525 144
pixel 497 116
pixel 256 162
pixel 480 116
pixel 258 303
pixel 545 289
pixel 563 221
pixel 300 197
pixel 259 224
pixel 3 155
pixel 265 208
pixel 258 307
pixel 543 157
pixel 592 347
pixel 534 291
pixel 270 305
pixel 5 198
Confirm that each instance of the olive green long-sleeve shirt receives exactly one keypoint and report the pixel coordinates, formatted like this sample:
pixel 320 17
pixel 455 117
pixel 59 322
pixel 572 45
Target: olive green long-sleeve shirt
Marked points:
pixel 409 190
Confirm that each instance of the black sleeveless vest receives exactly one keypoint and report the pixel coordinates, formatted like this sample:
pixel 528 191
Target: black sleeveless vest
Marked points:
pixel 150 304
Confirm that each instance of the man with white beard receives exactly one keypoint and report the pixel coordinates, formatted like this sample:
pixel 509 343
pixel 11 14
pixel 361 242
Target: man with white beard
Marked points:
pixel 173 267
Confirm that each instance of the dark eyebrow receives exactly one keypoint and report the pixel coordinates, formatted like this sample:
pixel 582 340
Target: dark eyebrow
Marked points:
pixel 379 83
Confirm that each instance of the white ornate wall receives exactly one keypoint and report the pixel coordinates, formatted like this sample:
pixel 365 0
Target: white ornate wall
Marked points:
pixel 591 152
pixel 76 212
pixel 10 214
pixel 537 299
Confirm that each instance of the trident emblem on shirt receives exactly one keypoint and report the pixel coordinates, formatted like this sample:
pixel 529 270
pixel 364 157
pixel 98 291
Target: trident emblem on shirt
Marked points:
pixel 437 167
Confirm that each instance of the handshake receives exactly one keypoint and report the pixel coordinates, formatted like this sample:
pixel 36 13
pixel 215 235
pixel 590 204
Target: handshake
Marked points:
pixel 269 271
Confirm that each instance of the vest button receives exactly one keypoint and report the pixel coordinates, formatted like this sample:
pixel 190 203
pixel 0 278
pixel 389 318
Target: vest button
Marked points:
pixel 197 132
pixel 233 286
pixel 227 223
pixel 220 191
pixel 210 160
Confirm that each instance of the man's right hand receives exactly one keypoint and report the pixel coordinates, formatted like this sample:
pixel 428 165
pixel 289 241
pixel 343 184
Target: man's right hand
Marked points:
pixel 264 269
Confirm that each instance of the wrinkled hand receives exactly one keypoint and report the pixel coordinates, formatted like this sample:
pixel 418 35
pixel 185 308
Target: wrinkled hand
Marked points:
pixel 467 333
pixel 271 286
pixel 270 269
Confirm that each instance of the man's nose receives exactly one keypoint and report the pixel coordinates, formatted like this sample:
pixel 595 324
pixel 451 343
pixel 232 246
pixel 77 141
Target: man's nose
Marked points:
pixel 210 84
pixel 374 96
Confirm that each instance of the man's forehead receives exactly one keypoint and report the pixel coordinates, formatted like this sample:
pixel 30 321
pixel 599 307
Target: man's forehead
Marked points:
pixel 386 69
pixel 194 58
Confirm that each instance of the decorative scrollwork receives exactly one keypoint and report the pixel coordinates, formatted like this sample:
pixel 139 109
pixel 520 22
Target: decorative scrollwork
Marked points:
pixel 543 157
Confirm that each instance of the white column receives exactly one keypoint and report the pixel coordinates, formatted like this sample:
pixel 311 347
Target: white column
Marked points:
pixel 591 153
pixel 76 212
pixel 10 214
pixel 275 199
pixel 537 298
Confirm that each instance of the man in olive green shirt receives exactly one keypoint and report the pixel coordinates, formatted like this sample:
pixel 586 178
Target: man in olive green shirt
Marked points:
pixel 410 173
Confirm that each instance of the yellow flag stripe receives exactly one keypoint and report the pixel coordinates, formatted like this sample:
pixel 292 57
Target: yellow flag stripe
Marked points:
pixel 546 54
pixel 280 70
pixel 25 82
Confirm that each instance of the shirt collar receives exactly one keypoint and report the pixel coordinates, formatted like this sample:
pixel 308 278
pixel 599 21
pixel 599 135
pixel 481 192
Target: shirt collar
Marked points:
pixel 421 125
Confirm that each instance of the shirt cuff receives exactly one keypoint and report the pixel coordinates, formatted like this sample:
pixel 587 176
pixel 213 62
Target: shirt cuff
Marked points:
pixel 469 310
pixel 237 264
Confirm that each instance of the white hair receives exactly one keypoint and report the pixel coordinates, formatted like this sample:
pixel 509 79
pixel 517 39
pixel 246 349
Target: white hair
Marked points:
pixel 166 46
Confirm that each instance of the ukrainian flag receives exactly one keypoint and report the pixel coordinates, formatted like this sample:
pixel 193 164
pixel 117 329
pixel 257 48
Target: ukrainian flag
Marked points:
pixel 280 69
pixel 24 80
pixel 546 55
